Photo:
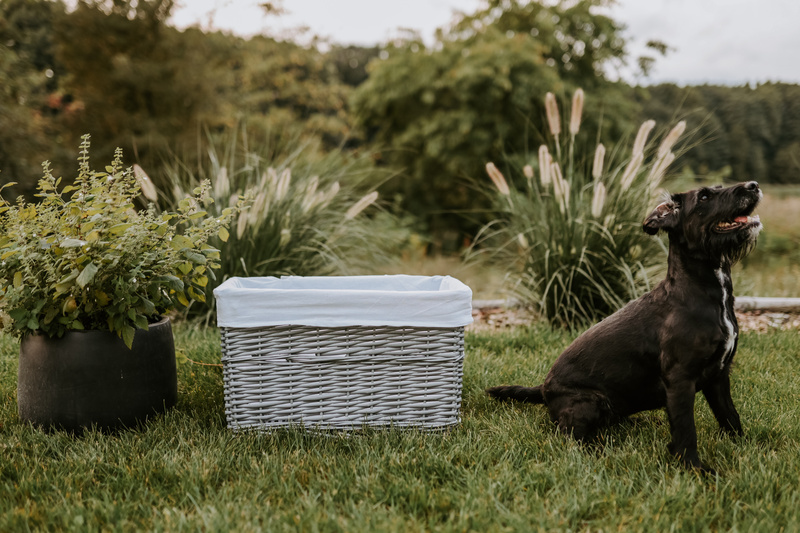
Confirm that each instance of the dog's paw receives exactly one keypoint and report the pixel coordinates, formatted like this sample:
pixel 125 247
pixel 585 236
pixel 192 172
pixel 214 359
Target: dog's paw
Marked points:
pixel 690 460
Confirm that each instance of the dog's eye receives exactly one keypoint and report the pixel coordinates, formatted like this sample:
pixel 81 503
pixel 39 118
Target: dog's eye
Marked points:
pixel 703 196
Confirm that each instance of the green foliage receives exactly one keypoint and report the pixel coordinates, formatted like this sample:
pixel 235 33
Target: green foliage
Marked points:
pixel 137 82
pixel 753 130
pixel 84 258
pixel 29 76
pixel 289 86
pixel 307 215
pixel 141 84
pixel 572 240
pixel 441 113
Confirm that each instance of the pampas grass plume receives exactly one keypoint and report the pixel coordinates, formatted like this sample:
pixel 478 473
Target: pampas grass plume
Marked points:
pixel 553 118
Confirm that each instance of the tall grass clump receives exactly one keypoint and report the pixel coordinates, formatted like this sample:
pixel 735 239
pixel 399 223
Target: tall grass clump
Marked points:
pixel 310 212
pixel 570 233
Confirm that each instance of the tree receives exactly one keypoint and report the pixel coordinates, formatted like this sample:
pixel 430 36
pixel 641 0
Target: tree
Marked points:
pixel 284 85
pixel 142 85
pixel 29 76
pixel 441 113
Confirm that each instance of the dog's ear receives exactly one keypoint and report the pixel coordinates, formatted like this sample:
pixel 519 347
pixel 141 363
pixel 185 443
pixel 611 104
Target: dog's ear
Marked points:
pixel 664 216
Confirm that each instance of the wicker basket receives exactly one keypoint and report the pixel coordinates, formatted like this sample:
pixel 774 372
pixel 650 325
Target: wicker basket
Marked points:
pixel 329 372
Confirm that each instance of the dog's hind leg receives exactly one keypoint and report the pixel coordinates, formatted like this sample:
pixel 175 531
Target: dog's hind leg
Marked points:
pixel 517 392
pixel 719 399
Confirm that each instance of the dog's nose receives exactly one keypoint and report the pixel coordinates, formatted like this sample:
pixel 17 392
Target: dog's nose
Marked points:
pixel 751 185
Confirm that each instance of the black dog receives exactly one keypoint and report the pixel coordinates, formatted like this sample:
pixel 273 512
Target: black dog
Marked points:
pixel 678 339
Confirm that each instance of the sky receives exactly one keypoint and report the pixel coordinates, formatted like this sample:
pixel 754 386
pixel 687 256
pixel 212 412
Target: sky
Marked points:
pixel 730 42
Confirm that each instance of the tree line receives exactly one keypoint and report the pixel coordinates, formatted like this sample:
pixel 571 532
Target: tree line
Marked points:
pixel 434 113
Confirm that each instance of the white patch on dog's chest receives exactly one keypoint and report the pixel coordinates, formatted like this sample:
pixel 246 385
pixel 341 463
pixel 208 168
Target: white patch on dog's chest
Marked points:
pixel 727 322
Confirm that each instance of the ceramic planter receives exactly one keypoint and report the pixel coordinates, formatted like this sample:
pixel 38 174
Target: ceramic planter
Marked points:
pixel 90 378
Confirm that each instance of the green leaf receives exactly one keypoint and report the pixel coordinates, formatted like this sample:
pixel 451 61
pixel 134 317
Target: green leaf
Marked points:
pixel 17 280
pixel 18 315
pixel 179 242
pixel 119 228
pixel 181 358
pixel 147 307
pixel 223 234
pixel 87 275
pixel 195 295
pixel 141 322
pixel 127 335
pixel 72 243
pixel 194 257
pixel 171 282
pixel 182 299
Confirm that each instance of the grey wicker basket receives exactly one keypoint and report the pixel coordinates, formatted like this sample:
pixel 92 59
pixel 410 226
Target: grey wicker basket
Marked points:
pixel 344 377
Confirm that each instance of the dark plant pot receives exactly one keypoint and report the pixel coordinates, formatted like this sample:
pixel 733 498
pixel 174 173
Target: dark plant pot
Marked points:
pixel 91 378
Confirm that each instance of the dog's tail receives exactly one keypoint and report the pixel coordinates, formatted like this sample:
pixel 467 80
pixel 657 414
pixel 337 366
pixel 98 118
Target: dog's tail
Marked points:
pixel 517 392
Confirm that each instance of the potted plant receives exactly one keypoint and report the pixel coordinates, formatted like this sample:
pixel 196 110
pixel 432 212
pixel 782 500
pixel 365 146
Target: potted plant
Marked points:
pixel 87 281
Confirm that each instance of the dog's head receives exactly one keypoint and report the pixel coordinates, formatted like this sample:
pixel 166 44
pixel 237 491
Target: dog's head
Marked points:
pixel 717 222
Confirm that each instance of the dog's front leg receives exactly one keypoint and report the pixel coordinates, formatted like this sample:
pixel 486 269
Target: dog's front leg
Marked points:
pixel 719 399
pixel 680 411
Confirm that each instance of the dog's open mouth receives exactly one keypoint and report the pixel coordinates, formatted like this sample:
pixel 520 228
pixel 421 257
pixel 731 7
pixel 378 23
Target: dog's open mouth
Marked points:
pixel 738 223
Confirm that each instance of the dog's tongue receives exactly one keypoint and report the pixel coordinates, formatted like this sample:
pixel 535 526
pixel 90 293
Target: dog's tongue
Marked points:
pixel 741 220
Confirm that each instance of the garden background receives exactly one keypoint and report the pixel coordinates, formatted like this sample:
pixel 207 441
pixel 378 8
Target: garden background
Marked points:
pixel 373 160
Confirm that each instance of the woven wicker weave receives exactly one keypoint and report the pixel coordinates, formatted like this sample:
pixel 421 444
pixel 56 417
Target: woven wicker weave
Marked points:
pixel 342 377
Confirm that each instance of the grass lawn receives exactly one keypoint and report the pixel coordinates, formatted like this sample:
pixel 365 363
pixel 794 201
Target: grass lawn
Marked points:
pixel 502 469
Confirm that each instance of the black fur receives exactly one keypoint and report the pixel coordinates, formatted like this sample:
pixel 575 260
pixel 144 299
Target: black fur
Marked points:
pixel 677 340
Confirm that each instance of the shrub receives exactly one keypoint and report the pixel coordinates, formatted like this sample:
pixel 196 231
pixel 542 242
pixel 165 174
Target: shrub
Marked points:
pixel 307 215
pixel 570 234
pixel 83 257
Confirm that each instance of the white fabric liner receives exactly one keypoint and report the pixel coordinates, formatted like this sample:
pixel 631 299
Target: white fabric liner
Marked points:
pixel 338 301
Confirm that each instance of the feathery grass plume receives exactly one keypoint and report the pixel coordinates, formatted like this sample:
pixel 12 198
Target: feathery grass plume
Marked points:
pixel 553 118
pixel 598 199
pixel 641 136
pixel 332 192
pixel 302 218
pixel 283 184
pixel 671 138
pixel 568 241
pixel 577 110
pixel 362 204
pixel 497 178
pixel 222 186
pixel 560 187
pixel 527 170
pixel 545 160
pixel 631 171
pixel 310 198
pixel 241 225
pixel 257 210
pixel 599 157
pixel 145 184
pixel 659 169
pixel 286 236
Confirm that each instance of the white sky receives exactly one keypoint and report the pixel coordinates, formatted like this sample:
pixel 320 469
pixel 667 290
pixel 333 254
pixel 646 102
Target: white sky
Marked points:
pixel 729 42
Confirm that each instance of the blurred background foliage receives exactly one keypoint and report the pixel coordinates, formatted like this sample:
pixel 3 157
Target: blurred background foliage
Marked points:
pixel 430 115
